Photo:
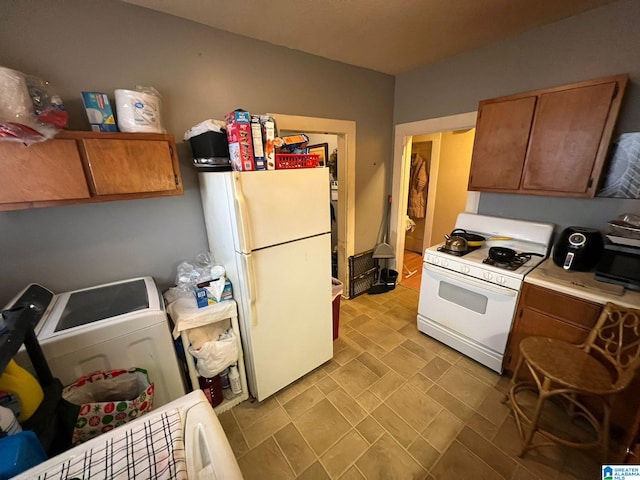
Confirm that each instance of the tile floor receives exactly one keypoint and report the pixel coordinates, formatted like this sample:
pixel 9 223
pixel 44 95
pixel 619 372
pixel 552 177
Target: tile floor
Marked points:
pixel 391 404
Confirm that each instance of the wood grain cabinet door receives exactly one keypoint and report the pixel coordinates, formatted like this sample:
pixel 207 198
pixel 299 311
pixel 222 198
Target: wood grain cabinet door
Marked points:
pixel 124 166
pixel 45 171
pixel 547 313
pixel 565 138
pixel 500 145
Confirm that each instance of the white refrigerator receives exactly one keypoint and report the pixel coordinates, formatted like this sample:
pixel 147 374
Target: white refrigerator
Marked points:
pixel 271 231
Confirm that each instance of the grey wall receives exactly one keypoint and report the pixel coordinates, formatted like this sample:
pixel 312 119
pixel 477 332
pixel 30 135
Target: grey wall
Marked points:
pixel 202 73
pixel 595 44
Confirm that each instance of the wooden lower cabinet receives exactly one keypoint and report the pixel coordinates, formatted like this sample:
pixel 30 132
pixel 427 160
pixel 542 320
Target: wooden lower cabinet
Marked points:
pixel 547 313
pixel 544 312
pixel 88 167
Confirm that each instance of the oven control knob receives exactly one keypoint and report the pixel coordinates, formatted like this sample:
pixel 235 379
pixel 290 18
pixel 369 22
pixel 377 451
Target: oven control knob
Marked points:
pixel 465 269
pixel 500 279
pixel 435 260
pixel 445 263
pixel 487 276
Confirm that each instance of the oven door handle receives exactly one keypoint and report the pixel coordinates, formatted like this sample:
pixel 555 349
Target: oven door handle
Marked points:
pixel 472 281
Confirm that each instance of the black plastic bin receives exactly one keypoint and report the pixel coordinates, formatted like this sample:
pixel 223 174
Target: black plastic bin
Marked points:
pixel 211 151
pixel 336 292
pixel 389 278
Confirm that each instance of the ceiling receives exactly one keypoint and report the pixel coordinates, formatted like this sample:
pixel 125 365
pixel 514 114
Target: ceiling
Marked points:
pixel 391 37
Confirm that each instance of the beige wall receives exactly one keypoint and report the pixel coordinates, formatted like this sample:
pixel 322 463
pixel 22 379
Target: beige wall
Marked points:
pixel 201 73
pixel 453 175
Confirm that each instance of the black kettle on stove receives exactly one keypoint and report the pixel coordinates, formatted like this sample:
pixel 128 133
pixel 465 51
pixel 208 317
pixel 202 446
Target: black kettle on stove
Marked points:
pixel 578 248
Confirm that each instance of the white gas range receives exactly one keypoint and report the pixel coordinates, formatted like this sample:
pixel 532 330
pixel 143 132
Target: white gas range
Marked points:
pixel 468 299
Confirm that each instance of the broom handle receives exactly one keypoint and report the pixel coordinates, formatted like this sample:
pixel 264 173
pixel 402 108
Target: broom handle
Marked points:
pixel 386 220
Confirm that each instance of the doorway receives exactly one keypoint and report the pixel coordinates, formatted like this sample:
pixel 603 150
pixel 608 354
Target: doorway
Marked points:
pixel 441 203
pixel 326 145
pixel 345 132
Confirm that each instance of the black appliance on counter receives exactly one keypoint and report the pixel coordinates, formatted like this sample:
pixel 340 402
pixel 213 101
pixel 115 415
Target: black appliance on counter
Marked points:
pixel 620 264
pixel 578 248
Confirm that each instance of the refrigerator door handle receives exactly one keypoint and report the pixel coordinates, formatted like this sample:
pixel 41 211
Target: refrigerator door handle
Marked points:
pixel 242 214
pixel 248 268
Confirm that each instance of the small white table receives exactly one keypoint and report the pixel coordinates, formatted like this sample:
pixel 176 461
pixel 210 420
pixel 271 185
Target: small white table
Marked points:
pixel 186 315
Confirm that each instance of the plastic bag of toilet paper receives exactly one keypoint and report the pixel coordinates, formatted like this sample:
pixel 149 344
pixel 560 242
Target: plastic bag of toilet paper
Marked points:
pixel 216 355
pixel 30 110
pixel 139 110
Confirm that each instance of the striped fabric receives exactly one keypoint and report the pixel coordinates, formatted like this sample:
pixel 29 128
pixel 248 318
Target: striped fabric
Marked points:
pixel 153 449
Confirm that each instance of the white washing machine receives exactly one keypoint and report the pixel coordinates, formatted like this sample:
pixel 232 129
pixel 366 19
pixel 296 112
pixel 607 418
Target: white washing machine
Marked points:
pixel 117 325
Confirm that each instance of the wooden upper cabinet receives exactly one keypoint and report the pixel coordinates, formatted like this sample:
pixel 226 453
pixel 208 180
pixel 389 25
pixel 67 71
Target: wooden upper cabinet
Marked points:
pixel 88 167
pixel 41 172
pixel 546 142
pixel 500 146
pixel 129 166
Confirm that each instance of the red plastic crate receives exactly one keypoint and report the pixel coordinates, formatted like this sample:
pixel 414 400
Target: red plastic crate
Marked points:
pixel 290 160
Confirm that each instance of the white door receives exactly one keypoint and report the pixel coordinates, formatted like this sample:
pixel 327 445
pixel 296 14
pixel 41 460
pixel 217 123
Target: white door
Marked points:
pixel 278 206
pixel 288 312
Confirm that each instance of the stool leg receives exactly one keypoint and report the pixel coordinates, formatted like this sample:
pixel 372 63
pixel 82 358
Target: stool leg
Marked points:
pixel 604 433
pixel 514 379
pixel 542 397
pixel 511 396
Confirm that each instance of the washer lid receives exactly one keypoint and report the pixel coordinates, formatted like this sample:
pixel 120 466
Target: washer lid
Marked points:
pixel 36 298
pixel 86 308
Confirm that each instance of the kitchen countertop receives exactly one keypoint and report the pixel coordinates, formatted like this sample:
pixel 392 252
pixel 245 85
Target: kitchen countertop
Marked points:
pixel 581 285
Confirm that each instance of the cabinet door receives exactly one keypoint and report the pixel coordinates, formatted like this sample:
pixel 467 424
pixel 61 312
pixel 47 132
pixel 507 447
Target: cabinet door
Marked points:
pixel 500 144
pixel 546 313
pixel 532 323
pixel 565 138
pixel 122 166
pixel 45 171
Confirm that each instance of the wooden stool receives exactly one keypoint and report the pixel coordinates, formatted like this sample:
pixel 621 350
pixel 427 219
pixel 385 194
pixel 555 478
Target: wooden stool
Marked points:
pixel 598 369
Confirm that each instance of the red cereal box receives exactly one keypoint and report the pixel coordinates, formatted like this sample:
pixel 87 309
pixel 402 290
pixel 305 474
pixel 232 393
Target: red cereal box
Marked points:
pixel 239 137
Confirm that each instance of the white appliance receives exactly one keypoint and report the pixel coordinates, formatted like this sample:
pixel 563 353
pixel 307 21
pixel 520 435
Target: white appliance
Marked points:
pixel 112 326
pixel 271 232
pixel 182 440
pixel 468 301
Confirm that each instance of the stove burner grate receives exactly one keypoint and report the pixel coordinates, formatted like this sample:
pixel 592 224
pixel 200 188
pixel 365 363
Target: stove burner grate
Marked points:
pixel 457 253
pixel 512 263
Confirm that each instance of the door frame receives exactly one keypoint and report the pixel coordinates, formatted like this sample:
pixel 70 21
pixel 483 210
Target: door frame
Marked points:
pixel 345 130
pixel 404 132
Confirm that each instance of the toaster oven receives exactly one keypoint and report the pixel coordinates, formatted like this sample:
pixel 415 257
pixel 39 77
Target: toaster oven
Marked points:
pixel 620 264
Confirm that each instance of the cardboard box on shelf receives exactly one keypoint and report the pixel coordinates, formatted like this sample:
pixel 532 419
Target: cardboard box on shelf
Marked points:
pixel 258 148
pixel 268 126
pixel 240 141
pixel 204 296
pixel 99 112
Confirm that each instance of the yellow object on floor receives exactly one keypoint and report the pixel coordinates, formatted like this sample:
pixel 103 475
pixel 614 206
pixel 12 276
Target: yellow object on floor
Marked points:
pixel 17 381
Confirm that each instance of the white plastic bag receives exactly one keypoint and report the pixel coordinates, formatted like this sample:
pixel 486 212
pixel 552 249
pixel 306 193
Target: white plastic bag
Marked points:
pixel 199 270
pixel 213 357
pixel 30 111
pixel 209 125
